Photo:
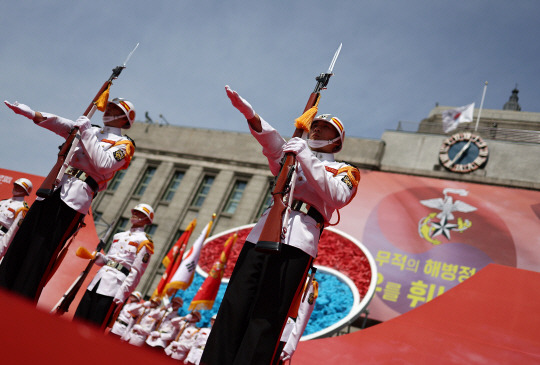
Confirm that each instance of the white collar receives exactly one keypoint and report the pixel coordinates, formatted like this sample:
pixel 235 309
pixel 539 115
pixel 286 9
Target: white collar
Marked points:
pixel 323 156
pixel 112 130
pixel 137 229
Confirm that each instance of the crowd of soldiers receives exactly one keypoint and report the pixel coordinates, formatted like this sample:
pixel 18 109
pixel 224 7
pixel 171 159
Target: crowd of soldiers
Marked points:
pixel 160 327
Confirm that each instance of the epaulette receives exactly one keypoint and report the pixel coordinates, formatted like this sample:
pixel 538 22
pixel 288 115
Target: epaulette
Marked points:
pixel 130 139
pixel 149 238
pixel 25 204
pixel 349 163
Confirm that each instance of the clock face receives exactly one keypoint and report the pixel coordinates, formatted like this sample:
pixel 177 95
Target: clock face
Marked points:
pixel 463 152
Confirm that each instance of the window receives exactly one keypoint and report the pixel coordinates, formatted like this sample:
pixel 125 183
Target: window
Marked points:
pixel 145 181
pixel 266 202
pixel 113 184
pixel 97 216
pixel 173 186
pixel 234 198
pixel 121 226
pixel 150 229
pixel 203 190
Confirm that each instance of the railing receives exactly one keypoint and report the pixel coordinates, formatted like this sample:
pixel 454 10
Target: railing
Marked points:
pixel 503 134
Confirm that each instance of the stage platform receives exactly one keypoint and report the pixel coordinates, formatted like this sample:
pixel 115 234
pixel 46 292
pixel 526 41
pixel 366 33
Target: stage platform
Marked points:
pixel 491 318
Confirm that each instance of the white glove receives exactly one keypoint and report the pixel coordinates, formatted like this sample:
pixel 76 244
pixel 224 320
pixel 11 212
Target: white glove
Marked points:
pixel 240 103
pixel 120 296
pixel 21 109
pixel 83 123
pixel 295 145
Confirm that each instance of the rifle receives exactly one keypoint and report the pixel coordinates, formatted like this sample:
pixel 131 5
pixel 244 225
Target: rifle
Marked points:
pixel 273 230
pixel 63 304
pixel 67 149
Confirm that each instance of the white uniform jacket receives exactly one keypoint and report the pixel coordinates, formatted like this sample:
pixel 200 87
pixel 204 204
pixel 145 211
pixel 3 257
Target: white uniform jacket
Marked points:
pixel 140 331
pixel 321 182
pixel 11 212
pixel 131 249
pixel 126 318
pixel 194 355
pixel 100 153
pixel 179 349
pixel 167 331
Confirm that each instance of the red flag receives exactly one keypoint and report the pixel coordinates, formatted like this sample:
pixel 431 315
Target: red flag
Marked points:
pixel 206 295
pixel 173 258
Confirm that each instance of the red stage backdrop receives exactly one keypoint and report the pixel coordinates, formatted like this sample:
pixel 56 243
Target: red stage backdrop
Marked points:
pixel 72 266
pixel 427 235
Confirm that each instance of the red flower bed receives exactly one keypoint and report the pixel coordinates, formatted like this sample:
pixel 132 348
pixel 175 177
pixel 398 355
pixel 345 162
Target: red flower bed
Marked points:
pixel 335 251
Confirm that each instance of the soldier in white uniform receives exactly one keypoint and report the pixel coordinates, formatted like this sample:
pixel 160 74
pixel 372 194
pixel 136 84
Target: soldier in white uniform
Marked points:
pixel 12 211
pixel 32 256
pixel 263 286
pixel 121 268
pixel 195 353
pixel 145 323
pixel 127 315
pixel 179 348
pixel 168 327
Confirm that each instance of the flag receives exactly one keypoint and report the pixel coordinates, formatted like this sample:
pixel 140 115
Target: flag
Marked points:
pixel 451 118
pixel 173 258
pixel 206 295
pixel 183 277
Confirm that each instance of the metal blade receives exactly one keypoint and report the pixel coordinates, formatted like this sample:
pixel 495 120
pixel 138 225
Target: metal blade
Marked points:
pixel 129 55
pixel 334 59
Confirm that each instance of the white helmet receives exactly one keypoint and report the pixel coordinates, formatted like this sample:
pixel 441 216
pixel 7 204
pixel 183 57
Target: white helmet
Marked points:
pixel 146 209
pixel 127 107
pixel 25 184
pixel 338 124
pixel 137 295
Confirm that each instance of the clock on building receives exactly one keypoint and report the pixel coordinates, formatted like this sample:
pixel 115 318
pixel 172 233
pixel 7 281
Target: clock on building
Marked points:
pixel 463 152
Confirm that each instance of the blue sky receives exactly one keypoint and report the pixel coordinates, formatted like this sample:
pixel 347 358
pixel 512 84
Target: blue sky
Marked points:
pixel 399 59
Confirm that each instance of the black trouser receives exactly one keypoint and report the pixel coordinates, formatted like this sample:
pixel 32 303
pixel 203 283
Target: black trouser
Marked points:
pixel 30 258
pixel 255 306
pixel 94 307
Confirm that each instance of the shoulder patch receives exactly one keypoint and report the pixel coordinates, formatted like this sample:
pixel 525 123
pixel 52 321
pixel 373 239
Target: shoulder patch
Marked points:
pixel 347 182
pixel 119 155
pixel 146 257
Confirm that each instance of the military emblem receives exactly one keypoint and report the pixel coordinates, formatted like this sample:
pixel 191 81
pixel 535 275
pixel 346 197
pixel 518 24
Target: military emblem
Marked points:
pixel 119 155
pixel 347 182
pixel 311 298
pixel 429 227
pixel 146 257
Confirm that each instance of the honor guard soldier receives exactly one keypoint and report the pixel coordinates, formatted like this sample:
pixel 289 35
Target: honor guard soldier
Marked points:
pixel 195 353
pixel 145 323
pixel 264 285
pixel 179 348
pixel 168 327
pixel 50 222
pixel 121 268
pixel 127 315
pixel 12 211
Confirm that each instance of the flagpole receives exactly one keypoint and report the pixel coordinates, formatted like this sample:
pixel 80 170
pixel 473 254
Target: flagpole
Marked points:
pixel 481 105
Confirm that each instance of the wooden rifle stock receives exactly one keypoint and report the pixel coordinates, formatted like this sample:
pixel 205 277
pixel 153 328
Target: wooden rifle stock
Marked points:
pixel 53 179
